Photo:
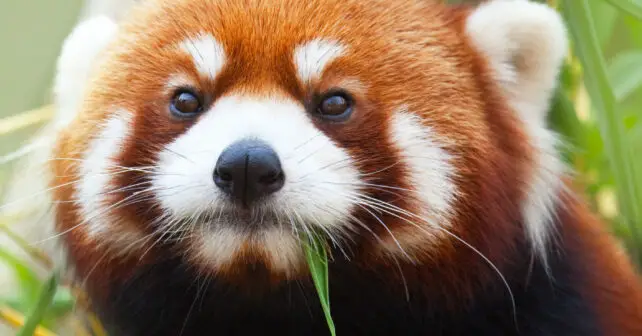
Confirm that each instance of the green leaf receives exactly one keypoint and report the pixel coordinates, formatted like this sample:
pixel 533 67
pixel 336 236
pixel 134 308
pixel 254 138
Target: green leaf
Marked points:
pixel 42 306
pixel 317 258
pixel 636 133
pixel 582 28
pixel 634 29
pixel 605 19
pixel 625 72
pixel 63 302
pixel 565 122
pixel 632 7
pixel 27 279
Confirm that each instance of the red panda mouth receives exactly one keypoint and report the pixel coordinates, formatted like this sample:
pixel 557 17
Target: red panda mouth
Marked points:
pixel 245 219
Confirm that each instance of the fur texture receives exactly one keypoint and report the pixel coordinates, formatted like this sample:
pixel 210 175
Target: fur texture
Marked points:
pixel 443 199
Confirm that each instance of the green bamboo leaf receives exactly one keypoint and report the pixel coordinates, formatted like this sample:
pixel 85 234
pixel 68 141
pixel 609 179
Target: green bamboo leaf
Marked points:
pixel 636 133
pixel 317 257
pixel 625 72
pixel 27 279
pixel 584 38
pixel 39 311
pixel 605 18
pixel 634 30
pixel 565 122
pixel 632 7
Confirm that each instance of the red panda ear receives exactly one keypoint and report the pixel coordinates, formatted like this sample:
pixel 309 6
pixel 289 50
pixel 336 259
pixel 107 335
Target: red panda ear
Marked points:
pixel 78 57
pixel 114 9
pixel 525 42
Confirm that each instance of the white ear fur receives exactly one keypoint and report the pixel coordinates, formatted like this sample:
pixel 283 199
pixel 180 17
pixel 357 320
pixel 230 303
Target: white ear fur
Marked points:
pixel 114 9
pixel 75 63
pixel 525 43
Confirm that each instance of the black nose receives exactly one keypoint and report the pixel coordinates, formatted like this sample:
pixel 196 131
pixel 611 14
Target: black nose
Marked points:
pixel 248 170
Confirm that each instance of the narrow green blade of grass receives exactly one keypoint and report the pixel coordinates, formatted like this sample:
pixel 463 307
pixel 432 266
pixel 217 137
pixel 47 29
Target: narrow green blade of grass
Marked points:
pixel 584 38
pixel 632 7
pixel 29 283
pixel 317 258
pixel 625 72
pixel 45 300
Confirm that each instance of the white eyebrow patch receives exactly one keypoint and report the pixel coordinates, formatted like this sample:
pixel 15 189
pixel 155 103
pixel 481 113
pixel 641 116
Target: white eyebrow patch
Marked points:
pixel 177 81
pixel 207 54
pixel 312 57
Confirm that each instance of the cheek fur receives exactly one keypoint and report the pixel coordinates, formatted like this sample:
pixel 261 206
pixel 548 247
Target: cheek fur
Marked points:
pixel 96 170
pixel 429 176
pixel 96 195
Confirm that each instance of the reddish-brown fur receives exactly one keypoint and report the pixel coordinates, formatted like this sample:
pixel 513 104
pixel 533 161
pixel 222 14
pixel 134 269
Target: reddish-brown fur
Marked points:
pixel 614 286
pixel 427 65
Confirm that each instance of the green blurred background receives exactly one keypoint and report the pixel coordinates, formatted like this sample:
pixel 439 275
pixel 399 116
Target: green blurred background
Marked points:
pixel 31 33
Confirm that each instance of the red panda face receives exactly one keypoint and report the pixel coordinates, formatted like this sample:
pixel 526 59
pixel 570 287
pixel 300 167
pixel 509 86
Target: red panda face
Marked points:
pixel 227 132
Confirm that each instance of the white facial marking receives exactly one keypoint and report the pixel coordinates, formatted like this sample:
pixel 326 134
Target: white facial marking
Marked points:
pixel 430 177
pixel 320 177
pixel 283 250
pixel 430 170
pixel 207 54
pixel 95 172
pixel 312 57
pixel 218 246
pixel 27 194
pixel 526 43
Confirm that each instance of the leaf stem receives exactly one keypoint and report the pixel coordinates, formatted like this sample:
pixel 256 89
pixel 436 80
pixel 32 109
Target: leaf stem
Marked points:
pixel 42 305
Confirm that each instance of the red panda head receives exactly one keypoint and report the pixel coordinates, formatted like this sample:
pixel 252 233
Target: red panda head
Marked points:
pixel 225 132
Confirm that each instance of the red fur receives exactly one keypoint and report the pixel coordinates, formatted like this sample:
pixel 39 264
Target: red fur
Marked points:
pixel 429 65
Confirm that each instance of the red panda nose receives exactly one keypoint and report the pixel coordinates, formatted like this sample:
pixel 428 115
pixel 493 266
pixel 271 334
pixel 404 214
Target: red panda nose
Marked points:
pixel 248 170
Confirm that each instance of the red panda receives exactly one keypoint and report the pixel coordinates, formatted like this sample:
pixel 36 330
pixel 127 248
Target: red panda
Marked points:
pixel 210 138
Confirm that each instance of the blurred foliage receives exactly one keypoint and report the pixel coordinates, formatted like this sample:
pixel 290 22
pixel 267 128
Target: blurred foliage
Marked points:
pixel 602 82
pixel 597 109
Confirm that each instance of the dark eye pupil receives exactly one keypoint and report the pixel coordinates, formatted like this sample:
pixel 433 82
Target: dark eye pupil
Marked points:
pixel 334 105
pixel 186 103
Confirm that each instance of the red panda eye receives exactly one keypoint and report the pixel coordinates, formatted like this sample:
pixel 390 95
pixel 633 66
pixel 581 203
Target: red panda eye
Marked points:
pixel 185 104
pixel 336 106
